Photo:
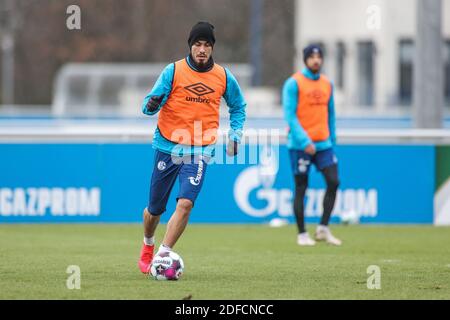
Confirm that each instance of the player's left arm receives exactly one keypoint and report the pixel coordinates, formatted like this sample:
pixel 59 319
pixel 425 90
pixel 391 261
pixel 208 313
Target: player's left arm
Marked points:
pixel 332 117
pixel 236 107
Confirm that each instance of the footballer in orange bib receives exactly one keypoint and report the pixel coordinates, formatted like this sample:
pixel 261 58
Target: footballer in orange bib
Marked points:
pixel 187 97
pixel 308 106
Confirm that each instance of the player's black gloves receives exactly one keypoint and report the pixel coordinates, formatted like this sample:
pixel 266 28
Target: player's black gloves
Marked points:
pixel 232 148
pixel 154 102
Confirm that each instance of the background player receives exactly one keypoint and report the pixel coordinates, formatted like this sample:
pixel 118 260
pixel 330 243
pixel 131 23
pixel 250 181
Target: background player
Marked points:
pixel 308 105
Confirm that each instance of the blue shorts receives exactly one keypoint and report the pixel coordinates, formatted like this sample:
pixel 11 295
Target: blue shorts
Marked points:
pixel 189 169
pixel 301 161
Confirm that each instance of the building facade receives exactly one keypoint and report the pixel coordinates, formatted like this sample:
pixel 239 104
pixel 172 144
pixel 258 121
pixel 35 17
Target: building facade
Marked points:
pixel 369 50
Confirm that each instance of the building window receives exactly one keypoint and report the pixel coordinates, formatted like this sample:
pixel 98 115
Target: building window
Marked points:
pixel 340 65
pixel 406 60
pixel 447 72
pixel 366 53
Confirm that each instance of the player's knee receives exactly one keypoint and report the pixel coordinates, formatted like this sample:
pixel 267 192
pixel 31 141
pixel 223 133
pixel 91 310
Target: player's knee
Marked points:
pixel 333 183
pixel 301 181
pixel 184 206
pixel 148 216
pixel 154 210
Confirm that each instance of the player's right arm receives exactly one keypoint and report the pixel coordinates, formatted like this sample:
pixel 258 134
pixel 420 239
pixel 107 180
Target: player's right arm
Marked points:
pixel 290 103
pixel 160 92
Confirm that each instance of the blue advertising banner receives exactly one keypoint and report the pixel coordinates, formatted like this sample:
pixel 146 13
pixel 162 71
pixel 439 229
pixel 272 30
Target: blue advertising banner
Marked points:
pixel 110 183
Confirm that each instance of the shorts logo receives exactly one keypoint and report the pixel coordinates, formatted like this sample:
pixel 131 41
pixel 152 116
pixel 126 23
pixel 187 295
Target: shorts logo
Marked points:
pixel 335 160
pixel 161 165
pixel 196 181
pixel 303 165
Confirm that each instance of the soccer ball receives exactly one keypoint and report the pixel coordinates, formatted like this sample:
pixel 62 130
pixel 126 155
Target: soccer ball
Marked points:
pixel 167 266
pixel 350 217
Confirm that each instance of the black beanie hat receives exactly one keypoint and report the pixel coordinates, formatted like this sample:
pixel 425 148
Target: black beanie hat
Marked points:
pixel 202 31
pixel 309 50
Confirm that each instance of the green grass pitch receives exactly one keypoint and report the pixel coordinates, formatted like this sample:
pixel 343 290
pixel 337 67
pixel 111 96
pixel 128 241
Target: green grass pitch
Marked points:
pixel 226 262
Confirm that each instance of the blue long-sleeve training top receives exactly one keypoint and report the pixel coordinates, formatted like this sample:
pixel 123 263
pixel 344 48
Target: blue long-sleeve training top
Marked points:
pixel 297 137
pixel 233 97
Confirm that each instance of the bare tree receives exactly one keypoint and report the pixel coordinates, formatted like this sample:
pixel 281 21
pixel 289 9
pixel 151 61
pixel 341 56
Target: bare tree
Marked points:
pixel 140 31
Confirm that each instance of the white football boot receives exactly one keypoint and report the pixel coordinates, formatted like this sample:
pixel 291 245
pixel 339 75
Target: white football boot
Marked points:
pixel 323 233
pixel 303 239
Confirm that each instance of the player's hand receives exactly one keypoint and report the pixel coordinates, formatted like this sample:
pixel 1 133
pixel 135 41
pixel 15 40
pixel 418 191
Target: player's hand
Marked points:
pixel 154 102
pixel 311 149
pixel 232 148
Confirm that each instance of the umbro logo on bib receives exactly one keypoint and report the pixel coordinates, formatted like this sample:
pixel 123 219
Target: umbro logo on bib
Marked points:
pixel 199 89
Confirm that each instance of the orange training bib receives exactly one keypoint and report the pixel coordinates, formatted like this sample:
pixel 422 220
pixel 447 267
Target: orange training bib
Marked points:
pixel 312 108
pixel 191 113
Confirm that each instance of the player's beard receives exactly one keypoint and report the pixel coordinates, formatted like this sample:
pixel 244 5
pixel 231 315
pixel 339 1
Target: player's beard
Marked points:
pixel 203 65
pixel 316 68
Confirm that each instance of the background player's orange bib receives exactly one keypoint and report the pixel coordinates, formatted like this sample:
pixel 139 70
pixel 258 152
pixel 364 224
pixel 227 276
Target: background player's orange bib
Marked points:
pixel 312 108
pixel 191 113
